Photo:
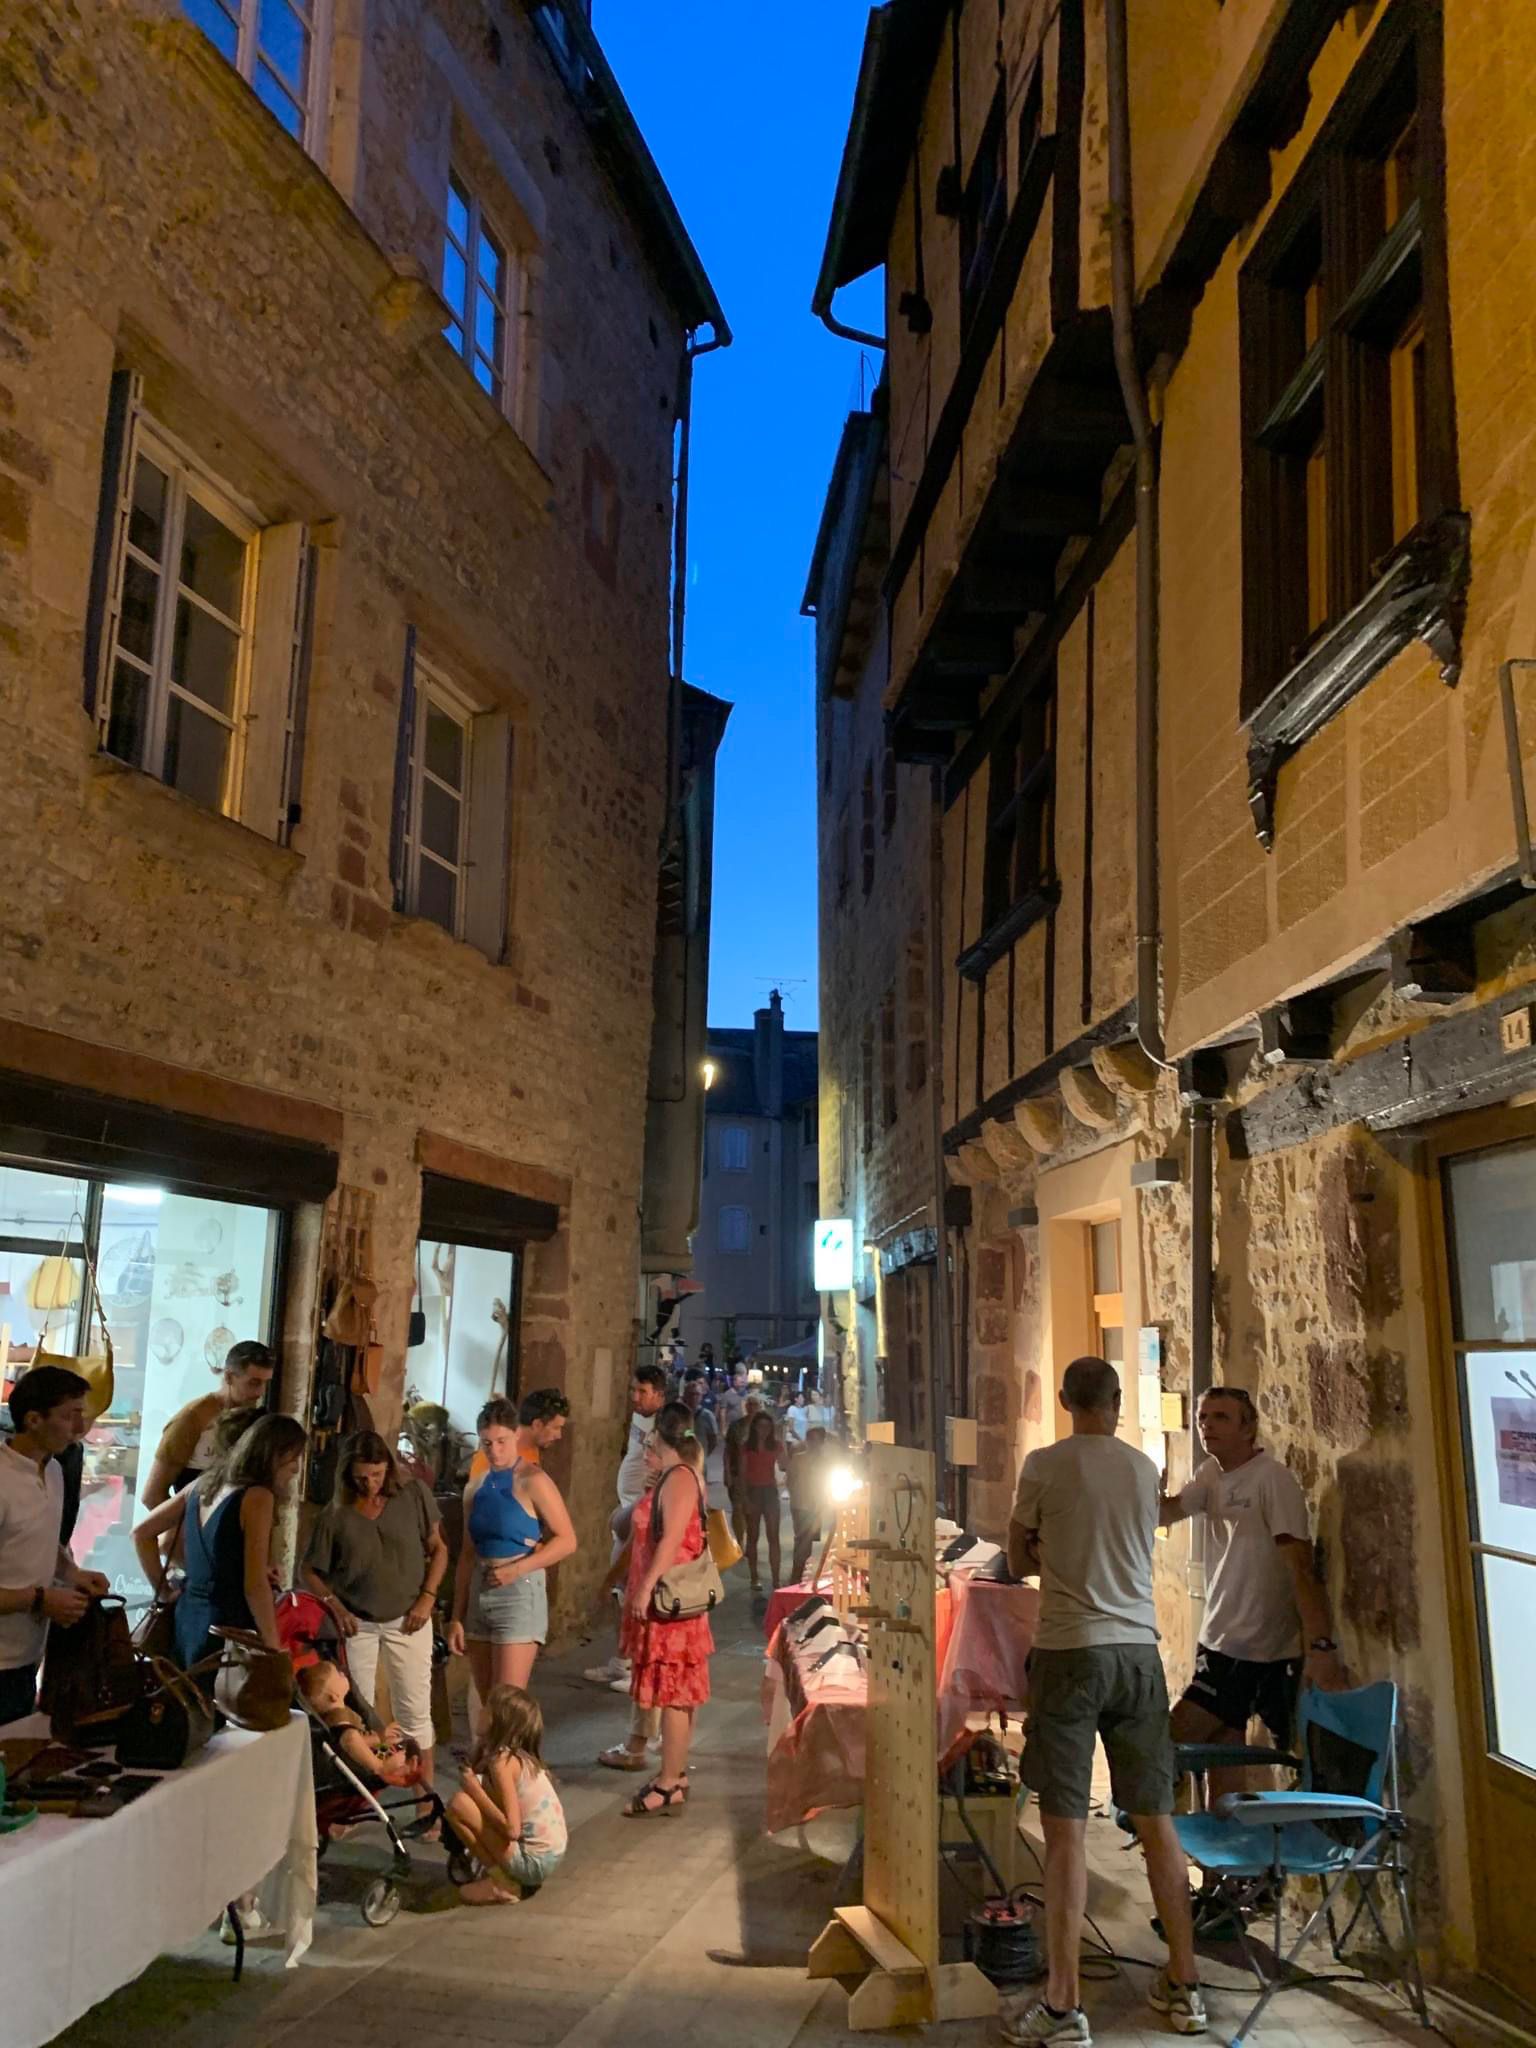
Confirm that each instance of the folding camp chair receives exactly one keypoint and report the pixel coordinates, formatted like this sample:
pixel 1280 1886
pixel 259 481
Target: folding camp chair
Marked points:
pixel 1342 1822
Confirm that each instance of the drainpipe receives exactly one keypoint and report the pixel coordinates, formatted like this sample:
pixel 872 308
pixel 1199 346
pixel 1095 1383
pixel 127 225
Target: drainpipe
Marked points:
pixel 1149 1021
pixel 938 1389
pixel 821 306
pixel 1202 1151
pixel 1122 255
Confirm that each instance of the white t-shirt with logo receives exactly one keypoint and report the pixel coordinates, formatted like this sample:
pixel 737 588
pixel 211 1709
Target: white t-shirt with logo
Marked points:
pixel 1250 1596
pixel 1093 1500
pixel 31 1515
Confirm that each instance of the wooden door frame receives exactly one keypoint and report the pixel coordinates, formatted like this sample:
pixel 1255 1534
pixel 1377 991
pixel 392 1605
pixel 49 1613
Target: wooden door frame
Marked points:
pixel 1482 1130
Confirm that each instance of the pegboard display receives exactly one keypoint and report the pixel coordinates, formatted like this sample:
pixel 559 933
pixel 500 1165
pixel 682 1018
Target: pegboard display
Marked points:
pixel 892 1939
pixel 901 1822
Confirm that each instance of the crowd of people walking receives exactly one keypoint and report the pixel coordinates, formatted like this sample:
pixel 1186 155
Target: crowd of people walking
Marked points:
pixel 701 1471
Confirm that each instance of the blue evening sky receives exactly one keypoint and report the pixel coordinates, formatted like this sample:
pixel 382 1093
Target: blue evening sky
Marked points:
pixel 745 109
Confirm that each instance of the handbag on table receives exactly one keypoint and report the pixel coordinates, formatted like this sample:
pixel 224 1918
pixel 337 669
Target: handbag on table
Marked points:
pixel 91 1674
pixel 171 1720
pixel 254 1685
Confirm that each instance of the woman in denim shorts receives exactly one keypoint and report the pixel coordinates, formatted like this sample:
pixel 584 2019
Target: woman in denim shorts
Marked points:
pixel 515 1527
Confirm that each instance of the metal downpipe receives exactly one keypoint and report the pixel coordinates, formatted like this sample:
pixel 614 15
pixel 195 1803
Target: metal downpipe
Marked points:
pixel 1122 247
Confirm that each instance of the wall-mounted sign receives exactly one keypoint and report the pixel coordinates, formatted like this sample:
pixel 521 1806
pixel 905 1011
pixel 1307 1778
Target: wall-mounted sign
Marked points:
pixel 833 1247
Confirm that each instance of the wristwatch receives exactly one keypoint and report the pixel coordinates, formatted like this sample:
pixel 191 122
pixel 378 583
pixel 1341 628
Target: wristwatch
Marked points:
pixel 1321 1643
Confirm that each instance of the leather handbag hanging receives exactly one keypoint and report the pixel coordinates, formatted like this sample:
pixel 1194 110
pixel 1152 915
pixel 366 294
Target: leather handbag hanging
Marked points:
pixel 155 1635
pixel 685 1590
pixel 168 1724
pixel 94 1367
pixel 91 1675
pixel 254 1686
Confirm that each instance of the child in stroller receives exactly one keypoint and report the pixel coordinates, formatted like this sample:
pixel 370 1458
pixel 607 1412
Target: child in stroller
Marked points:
pixel 384 1757
pixel 353 1780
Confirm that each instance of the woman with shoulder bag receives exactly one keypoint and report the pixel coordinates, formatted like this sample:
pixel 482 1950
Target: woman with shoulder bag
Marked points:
pixel 376 1558
pixel 225 1522
pixel 669 1658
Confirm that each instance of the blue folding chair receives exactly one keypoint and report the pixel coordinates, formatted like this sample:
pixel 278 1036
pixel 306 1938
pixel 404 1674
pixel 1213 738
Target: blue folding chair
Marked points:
pixel 1341 1823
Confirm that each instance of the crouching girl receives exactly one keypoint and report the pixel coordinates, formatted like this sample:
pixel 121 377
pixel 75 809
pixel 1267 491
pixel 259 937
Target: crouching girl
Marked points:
pixel 507 1813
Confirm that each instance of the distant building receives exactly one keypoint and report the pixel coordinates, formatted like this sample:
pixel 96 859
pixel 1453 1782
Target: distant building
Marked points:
pixel 759 1199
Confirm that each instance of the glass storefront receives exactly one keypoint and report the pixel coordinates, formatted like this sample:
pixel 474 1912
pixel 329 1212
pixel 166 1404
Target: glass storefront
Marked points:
pixel 183 1277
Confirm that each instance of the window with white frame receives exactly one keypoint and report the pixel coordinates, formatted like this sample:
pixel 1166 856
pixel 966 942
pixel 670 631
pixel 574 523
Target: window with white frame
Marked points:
pixel 734 1229
pixel 277 47
pixel 482 283
pixel 181 649
pixel 199 626
pixel 450 839
pixel 440 766
pixel 735 1149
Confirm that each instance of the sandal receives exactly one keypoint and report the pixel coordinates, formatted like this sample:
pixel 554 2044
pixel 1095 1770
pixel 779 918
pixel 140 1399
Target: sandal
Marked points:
pixel 620 1757
pixel 671 1797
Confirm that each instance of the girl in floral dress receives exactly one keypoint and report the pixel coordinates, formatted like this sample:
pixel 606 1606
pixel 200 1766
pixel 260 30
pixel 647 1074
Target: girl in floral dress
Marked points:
pixel 669 1660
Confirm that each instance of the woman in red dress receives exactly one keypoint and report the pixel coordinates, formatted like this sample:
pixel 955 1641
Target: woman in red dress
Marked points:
pixel 669 1660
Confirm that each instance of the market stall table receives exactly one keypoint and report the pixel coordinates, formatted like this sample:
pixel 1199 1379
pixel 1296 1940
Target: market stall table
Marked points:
pixel 89 1904
pixel 984 1633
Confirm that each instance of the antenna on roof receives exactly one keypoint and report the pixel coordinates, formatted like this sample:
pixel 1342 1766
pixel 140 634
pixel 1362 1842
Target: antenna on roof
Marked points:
pixel 781 984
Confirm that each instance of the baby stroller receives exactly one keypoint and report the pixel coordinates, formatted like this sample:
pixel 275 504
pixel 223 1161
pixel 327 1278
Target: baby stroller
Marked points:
pixel 343 1798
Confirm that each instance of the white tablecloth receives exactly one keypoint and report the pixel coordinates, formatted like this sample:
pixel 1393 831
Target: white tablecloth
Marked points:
pixel 93 1902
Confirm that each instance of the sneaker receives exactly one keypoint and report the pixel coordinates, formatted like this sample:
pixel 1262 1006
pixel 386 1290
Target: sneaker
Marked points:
pixel 605 1674
pixel 620 1684
pixel 1183 2004
pixel 1037 2023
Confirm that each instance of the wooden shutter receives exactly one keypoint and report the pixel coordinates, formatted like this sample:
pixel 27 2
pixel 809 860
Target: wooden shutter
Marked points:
pixel 400 807
pixel 488 841
pixel 280 564
pixel 123 399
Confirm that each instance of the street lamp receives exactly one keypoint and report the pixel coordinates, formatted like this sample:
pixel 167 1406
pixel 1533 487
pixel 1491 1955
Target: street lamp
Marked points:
pixel 708 1071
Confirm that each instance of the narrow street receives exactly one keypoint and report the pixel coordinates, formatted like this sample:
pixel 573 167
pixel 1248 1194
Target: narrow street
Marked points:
pixel 651 1936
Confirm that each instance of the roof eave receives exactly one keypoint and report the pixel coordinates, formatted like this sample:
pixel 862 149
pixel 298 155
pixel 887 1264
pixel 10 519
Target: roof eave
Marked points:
pixel 647 199
pixel 900 48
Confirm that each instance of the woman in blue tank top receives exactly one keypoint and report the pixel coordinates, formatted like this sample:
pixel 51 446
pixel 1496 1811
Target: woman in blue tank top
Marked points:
pixel 515 1527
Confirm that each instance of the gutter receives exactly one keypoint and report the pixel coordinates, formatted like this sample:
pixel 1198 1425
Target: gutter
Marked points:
pixel 870 67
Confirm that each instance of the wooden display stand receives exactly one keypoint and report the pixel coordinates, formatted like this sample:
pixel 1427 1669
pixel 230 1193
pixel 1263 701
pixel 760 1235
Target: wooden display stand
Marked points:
pixel 892 1939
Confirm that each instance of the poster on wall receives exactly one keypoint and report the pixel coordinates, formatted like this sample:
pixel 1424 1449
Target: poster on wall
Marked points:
pixel 1514 1450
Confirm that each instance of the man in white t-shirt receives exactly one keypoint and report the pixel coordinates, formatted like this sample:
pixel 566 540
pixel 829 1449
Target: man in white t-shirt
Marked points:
pixel 647 1396
pixel 1084 1518
pixel 1267 1623
pixel 40 1583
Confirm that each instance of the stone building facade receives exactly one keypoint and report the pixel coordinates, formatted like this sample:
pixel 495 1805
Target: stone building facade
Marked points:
pixel 876 1122
pixel 1212 449
pixel 342 359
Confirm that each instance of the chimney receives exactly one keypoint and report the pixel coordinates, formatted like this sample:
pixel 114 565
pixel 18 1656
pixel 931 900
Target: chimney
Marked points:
pixel 768 1055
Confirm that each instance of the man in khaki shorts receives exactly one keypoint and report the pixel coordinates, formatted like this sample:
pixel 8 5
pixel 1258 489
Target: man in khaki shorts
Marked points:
pixel 1084 1519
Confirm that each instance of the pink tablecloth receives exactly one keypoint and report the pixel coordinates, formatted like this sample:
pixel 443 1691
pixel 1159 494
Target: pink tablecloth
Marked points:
pixel 816 1744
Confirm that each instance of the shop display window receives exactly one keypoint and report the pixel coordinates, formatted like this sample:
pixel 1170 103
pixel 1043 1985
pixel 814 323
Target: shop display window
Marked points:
pixel 183 1277
pixel 468 1304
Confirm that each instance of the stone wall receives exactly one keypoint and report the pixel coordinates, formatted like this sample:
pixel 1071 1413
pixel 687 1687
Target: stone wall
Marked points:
pixel 155 214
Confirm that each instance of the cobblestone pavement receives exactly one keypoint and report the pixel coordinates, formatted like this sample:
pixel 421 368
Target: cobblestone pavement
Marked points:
pixel 654 1935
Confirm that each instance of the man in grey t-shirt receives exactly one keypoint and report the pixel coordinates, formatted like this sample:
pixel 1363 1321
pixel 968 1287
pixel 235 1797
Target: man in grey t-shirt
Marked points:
pixel 1084 1518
